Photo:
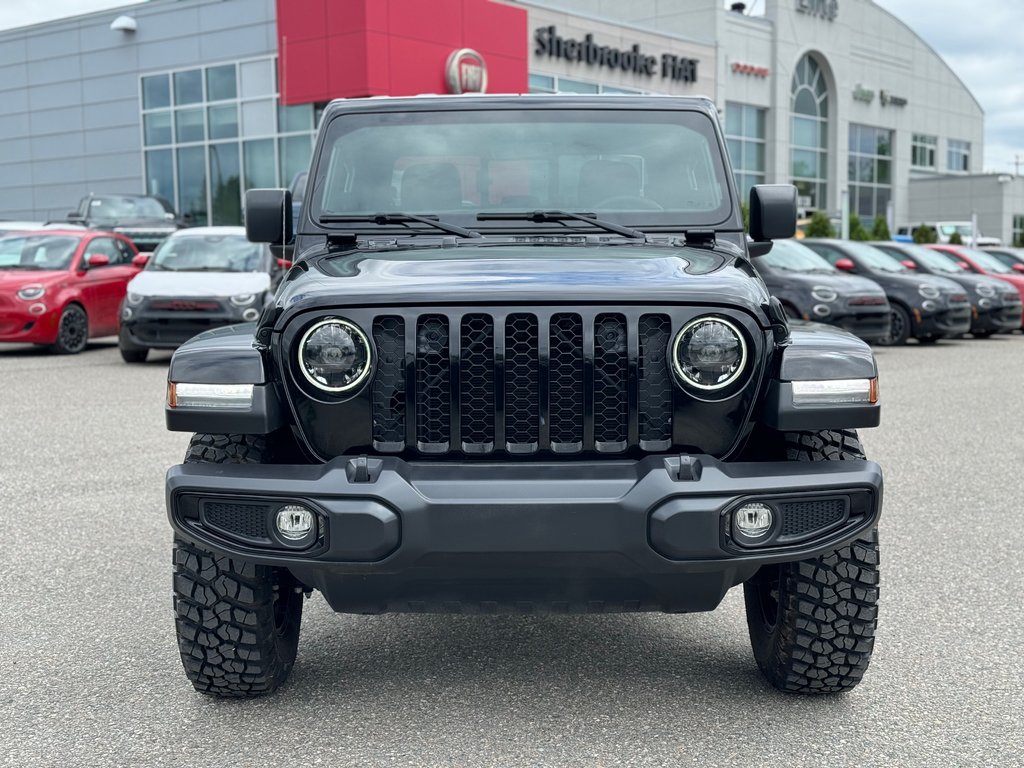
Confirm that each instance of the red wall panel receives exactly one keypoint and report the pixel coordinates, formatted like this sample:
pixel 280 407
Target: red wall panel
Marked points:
pixel 343 48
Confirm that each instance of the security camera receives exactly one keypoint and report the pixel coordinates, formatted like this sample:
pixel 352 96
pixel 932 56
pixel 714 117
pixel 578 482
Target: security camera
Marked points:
pixel 124 24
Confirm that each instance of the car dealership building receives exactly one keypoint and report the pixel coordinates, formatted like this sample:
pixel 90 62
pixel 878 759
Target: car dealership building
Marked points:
pixel 199 100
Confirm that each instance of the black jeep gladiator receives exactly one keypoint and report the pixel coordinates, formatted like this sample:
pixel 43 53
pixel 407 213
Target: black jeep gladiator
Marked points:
pixel 522 363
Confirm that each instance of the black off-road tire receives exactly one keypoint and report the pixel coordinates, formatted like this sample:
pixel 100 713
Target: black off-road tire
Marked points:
pixel 812 622
pixel 130 351
pixel 237 622
pixel 72 331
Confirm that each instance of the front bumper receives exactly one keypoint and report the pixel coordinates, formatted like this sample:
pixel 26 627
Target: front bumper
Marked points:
pixel 951 320
pixel 652 534
pixel 869 323
pixel 995 317
pixel 20 325
pixel 169 329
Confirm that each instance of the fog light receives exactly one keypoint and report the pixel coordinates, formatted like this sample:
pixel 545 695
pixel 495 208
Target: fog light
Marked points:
pixel 37 309
pixel 753 520
pixel 928 306
pixel 984 303
pixel 822 310
pixel 126 313
pixel 294 523
pixel 251 314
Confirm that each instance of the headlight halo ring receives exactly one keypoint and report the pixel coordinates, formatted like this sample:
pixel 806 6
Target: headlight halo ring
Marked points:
pixel 734 377
pixel 357 333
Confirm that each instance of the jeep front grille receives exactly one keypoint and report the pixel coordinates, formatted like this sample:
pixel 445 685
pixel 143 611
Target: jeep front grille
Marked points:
pixel 522 382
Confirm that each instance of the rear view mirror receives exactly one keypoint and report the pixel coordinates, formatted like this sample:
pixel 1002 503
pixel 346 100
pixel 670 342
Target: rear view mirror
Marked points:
pixel 846 265
pixel 911 265
pixel 268 216
pixel 75 217
pixel 772 211
pixel 140 260
pixel 97 260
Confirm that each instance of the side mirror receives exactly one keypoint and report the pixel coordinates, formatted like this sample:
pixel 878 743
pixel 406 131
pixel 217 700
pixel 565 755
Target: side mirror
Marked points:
pixel 964 265
pixel 846 265
pixel 268 216
pixel 75 218
pixel 140 260
pixel 772 212
pixel 911 265
pixel 186 218
pixel 286 264
pixel 1018 267
pixel 97 260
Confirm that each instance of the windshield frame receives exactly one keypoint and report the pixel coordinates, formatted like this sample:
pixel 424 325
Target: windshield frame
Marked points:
pixel 501 109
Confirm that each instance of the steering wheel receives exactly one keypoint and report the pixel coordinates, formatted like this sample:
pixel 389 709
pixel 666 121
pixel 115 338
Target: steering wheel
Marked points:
pixel 629 203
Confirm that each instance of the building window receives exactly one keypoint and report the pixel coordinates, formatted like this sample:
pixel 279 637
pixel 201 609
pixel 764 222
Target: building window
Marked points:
pixel 958 156
pixel 923 151
pixel 809 134
pixel 212 133
pixel 745 135
pixel 550 84
pixel 1018 231
pixel 870 171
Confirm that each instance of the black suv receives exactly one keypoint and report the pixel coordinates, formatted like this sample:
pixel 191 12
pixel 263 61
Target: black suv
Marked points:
pixel 146 220
pixel 995 306
pixel 523 363
pixel 925 307
pixel 810 288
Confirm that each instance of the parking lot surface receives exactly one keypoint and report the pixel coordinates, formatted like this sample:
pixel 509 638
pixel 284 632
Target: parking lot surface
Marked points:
pixel 89 671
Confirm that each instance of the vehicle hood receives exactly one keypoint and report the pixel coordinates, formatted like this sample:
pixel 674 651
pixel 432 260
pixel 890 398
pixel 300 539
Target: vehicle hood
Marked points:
pixel 136 223
pixel 13 279
pixel 1015 279
pixel 971 280
pixel 911 281
pixel 152 282
pixel 524 274
pixel 842 283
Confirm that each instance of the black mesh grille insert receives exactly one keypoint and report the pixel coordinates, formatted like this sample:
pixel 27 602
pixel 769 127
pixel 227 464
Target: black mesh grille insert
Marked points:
pixel 433 382
pixel 611 371
pixel 522 416
pixel 654 401
pixel 246 520
pixel 801 517
pixel 476 366
pixel 389 382
pixel 565 393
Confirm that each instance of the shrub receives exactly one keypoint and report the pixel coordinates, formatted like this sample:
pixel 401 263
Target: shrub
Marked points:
pixel 880 231
pixel 819 226
pixel 925 234
pixel 955 238
pixel 857 231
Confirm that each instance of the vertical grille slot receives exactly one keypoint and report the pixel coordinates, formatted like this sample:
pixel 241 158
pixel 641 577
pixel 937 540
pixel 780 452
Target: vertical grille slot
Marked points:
pixel 433 384
pixel 611 371
pixel 476 374
pixel 522 417
pixel 389 384
pixel 654 401
pixel 565 388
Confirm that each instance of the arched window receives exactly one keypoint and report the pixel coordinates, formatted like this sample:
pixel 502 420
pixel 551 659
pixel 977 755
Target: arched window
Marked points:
pixel 809 133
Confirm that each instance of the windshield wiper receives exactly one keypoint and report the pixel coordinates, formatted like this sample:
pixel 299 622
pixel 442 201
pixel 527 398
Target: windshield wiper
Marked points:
pixel 399 218
pixel 561 216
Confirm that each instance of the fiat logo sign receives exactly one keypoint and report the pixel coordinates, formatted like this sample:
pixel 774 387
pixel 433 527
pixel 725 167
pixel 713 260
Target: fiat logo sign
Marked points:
pixel 466 72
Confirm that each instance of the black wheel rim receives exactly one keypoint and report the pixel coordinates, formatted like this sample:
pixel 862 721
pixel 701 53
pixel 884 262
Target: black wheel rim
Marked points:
pixel 897 327
pixel 766 589
pixel 74 329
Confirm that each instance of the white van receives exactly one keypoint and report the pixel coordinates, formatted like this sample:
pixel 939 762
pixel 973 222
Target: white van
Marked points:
pixel 945 230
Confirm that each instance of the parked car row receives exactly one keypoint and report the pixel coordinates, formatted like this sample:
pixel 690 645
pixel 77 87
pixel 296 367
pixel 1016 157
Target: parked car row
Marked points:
pixel 61 287
pixel 889 292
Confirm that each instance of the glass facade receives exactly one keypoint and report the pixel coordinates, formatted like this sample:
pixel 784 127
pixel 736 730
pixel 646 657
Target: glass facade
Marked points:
pixel 809 133
pixel 923 151
pixel 870 171
pixel 1018 230
pixel 958 156
pixel 745 135
pixel 551 84
pixel 210 133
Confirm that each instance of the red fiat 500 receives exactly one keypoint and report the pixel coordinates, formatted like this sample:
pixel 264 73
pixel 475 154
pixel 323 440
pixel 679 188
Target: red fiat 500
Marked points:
pixel 983 263
pixel 60 288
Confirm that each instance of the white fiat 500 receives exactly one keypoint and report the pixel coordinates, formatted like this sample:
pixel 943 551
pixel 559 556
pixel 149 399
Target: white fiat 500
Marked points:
pixel 197 279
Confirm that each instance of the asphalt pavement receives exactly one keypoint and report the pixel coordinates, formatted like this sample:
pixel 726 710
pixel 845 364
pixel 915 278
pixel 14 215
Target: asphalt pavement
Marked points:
pixel 90 675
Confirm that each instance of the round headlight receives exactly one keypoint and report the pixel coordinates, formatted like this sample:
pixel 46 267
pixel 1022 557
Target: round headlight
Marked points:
pixel 334 355
pixel 709 353
pixel 134 298
pixel 824 293
pixel 929 291
pixel 31 292
pixel 987 291
pixel 243 300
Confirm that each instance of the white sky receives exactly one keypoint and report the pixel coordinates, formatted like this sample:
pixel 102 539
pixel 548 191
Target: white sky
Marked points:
pixel 984 49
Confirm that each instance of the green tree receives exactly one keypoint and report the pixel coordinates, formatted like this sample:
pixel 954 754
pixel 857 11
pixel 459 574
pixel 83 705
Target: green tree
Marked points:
pixel 925 234
pixel 745 209
pixel 819 226
pixel 1018 241
pixel 857 231
pixel 955 238
pixel 880 231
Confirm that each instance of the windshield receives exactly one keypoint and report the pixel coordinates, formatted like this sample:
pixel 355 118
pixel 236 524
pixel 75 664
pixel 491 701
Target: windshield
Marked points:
pixel 37 252
pixel 932 259
pixel 126 208
pixel 872 258
pixel 657 167
pixel 208 253
pixel 986 261
pixel 947 230
pixel 791 256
